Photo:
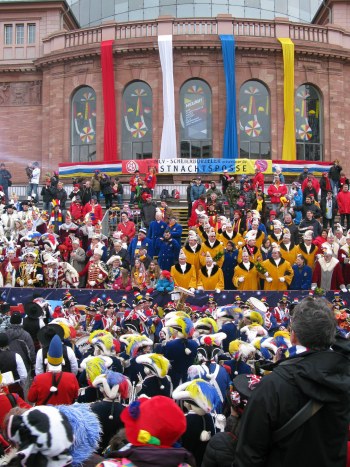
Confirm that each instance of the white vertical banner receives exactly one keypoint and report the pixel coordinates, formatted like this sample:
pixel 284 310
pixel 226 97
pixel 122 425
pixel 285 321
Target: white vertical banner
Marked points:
pixel 168 148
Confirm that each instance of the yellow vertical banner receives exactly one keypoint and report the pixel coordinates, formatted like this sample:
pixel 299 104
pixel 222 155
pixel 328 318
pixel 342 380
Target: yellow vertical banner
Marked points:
pixel 289 145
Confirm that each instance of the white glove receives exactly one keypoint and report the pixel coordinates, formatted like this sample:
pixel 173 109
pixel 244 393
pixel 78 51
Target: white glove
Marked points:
pixel 239 243
pixel 343 288
pixel 100 276
pixel 313 286
pixel 92 283
pixel 30 281
pixel 200 287
pixel 282 279
pixel 217 290
pixel 266 274
pixel 21 283
pixel 241 279
pixel 192 289
pixel 269 279
pixel 40 277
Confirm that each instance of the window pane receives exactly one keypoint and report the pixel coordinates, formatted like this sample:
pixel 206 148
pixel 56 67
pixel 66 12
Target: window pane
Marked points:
pixel 252 13
pixel 31 33
pixel 121 7
pixel 207 149
pixel 19 33
pixel 185 149
pixel 185 11
pixel 136 15
pixel 151 13
pixel 281 7
pixel 195 149
pixel 254 117
pixel 168 10
pixel 8 34
pixel 137 150
pixel 137 112
pixel 203 11
pixel 308 114
pixel 83 124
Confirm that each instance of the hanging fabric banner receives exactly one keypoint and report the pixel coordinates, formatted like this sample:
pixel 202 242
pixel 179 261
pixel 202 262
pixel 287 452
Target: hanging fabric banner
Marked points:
pixel 168 148
pixel 110 123
pixel 230 147
pixel 289 145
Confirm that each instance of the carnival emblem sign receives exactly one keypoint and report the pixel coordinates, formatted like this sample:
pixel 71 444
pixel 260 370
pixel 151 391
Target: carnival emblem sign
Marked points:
pixel 132 166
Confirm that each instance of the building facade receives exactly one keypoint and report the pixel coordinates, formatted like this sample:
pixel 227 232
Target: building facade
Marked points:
pixel 51 95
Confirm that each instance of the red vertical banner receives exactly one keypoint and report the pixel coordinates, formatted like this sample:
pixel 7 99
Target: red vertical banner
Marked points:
pixel 110 124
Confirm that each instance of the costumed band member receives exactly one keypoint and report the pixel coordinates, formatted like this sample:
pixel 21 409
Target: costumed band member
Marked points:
pixel 30 272
pixel 96 271
pixel 250 247
pixel 184 273
pixel 308 249
pixel 279 272
pixel 230 235
pixel 245 275
pixel 214 247
pixel 210 276
pixel 277 234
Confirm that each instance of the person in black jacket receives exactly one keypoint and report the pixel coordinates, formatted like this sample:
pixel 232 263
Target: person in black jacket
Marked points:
pixel 317 371
pixel 334 176
pixel 106 189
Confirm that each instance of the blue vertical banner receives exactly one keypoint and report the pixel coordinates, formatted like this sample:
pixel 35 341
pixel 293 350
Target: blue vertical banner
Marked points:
pixel 230 148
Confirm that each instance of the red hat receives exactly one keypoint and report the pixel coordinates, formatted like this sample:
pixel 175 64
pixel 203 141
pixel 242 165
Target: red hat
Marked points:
pixel 157 421
pixel 166 274
pixel 272 212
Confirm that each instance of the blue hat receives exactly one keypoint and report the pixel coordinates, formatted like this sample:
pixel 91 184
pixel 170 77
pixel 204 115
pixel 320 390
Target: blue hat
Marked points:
pixel 55 353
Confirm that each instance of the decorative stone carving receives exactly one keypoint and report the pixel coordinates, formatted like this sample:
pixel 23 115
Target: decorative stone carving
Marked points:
pixel 20 93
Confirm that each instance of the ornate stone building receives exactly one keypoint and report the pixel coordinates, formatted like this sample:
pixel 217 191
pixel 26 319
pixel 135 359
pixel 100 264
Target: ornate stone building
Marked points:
pixel 51 96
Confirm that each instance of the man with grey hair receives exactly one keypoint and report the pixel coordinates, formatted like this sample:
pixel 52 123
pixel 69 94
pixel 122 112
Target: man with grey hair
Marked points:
pixel 310 390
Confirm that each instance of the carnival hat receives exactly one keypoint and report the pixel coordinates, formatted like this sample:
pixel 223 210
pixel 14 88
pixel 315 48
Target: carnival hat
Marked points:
pixel 157 421
pixel 46 334
pixel 33 310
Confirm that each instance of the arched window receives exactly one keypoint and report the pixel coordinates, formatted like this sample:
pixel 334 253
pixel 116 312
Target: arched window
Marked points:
pixel 137 121
pixel 308 118
pixel 83 125
pixel 195 119
pixel 254 121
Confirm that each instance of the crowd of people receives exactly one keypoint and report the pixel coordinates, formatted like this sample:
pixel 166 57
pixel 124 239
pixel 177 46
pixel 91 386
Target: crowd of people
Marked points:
pixel 237 239
pixel 138 384
pixel 147 382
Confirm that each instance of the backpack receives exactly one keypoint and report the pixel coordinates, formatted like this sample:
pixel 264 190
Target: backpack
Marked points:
pixel 164 194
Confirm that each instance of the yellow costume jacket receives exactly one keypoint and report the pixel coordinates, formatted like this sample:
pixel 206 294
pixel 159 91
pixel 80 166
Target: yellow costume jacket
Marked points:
pixel 251 277
pixel 284 269
pixel 236 237
pixel 310 257
pixel 273 239
pixel 289 255
pixel 213 250
pixel 212 282
pixel 185 279
pixel 193 257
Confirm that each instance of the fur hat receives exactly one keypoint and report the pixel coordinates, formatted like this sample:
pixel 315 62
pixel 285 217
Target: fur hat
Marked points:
pixel 157 421
pixel 43 434
pixel 98 251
